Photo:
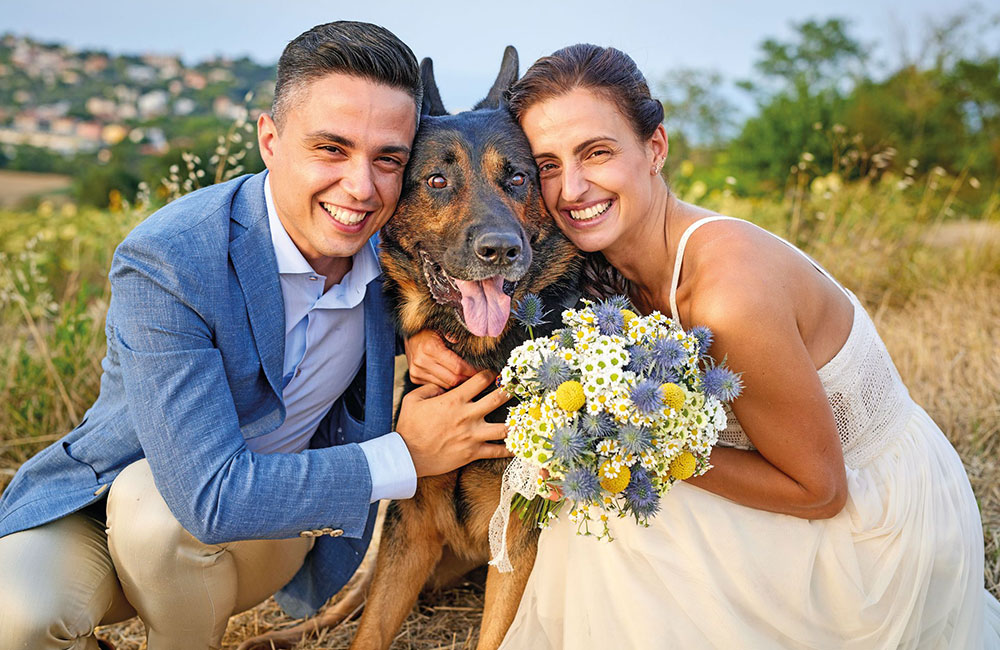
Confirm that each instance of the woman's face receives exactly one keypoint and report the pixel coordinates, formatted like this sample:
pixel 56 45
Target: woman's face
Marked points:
pixel 596 175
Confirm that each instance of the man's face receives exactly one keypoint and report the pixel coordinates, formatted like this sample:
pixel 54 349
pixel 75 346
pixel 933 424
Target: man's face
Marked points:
pixel 336 167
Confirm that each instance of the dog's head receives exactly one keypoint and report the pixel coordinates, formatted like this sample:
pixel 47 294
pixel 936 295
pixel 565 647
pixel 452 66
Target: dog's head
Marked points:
pixel 471 235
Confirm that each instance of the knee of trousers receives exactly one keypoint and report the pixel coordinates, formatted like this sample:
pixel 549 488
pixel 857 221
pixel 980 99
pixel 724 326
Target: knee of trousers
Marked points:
pixel 144 537
pixel 25 623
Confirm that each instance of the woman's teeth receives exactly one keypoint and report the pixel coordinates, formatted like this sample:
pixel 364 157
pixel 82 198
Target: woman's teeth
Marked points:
pixel 343 215
pixel 591 212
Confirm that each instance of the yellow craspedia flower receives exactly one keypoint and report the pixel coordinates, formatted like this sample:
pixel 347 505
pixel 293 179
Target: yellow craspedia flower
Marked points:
pixel 569 396
pixel 535 412
pixel 673 395
pixel 617 484
pixel 683 466
pixel 628 315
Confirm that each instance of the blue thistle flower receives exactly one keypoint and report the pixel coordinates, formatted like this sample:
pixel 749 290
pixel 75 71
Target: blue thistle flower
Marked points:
pixel 639 359
pixel 664 375
pixel 566 338
pixel 597 425
pixel 704 337
pixel 530 311
pixel 552 371
pixel 620 302
pixel 633 439
pixel 580 484
pixel 640 496
pixel 646 396
pixel 722 383
pixel 569 445
pixel 668 353
pixel 609 319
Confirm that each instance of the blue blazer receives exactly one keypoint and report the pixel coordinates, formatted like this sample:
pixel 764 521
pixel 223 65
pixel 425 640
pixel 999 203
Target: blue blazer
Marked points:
pixel 196 336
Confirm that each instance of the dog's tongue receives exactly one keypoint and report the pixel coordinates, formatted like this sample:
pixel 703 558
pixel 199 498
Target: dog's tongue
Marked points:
pixel 484 305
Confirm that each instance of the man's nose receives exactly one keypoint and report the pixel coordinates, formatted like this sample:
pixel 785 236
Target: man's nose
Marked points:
pixel 359 181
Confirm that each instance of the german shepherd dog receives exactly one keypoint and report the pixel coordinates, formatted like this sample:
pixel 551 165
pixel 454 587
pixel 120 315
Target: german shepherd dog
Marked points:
pixel 469 238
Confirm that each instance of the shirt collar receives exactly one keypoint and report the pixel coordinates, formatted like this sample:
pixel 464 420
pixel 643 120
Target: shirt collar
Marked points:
pixel 365 266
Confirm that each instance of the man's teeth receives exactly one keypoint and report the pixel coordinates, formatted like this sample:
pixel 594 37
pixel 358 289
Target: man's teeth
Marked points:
pixel 343 215
pixel 591 212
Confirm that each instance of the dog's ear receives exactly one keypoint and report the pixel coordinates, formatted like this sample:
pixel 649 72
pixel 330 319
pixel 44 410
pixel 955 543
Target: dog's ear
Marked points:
pixel 431 104
pixel 505 79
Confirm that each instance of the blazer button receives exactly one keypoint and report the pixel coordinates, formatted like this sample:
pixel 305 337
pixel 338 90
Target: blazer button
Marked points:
pixel 336 532
pixel 325 531
pixel 309 533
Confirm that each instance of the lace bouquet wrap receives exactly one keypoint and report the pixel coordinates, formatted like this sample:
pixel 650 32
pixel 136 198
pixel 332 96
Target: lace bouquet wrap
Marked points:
pixel 615 408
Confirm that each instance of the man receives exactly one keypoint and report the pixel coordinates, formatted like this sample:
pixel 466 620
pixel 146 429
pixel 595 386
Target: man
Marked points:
pixel 241 436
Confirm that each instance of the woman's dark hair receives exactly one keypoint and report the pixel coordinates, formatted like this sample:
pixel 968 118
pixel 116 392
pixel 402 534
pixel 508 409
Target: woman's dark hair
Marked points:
pixel 614 75
pixel 353 48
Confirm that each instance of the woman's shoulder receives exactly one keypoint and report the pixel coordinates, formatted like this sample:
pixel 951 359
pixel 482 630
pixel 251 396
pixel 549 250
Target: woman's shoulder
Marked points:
pixel 737 272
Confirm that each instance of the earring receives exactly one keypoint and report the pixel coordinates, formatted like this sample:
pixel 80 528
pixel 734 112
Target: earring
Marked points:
pixel 657 166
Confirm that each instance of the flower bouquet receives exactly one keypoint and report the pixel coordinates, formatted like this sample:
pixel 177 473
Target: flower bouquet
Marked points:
pixel 615 408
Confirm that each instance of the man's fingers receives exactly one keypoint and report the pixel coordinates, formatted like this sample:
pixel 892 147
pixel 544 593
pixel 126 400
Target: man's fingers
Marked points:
pixel 474 385
pixel 425 391
pixel 487 450
pixel 492 401
pixel 492 431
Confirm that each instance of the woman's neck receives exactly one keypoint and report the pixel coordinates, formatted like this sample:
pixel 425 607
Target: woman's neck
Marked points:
pixel 645 255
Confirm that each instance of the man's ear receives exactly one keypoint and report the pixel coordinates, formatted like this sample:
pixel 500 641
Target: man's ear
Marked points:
pixel 267 135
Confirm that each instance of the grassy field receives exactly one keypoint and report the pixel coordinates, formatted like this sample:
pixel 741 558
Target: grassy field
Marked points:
pixel 923 256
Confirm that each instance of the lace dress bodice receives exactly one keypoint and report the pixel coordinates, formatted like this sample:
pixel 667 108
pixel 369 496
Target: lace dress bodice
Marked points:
pixel 869 401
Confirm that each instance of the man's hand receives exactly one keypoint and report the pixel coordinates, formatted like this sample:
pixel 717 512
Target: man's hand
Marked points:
pixel 431 362
pixel 445 430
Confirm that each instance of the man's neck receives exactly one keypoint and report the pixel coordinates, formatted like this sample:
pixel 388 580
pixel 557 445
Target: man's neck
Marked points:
pixel 334 268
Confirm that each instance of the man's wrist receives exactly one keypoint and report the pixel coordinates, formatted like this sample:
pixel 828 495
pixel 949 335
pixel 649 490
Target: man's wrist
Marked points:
pixel 391 467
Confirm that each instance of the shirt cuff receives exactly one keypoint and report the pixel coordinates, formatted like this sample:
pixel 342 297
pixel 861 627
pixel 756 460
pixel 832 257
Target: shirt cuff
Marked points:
pixel 390 466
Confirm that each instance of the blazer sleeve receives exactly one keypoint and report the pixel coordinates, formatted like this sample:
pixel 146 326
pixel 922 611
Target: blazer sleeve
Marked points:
pixel 184 415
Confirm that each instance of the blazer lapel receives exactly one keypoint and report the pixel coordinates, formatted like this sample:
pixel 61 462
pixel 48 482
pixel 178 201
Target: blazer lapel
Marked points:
pixel 252 254
pixel 380 347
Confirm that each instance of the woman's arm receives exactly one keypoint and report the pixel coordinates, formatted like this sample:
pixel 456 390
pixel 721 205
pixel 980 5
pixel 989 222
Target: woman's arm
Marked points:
pixel 798 466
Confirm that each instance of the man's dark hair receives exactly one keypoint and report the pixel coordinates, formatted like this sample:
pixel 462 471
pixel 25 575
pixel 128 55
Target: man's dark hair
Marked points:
pixel 353 48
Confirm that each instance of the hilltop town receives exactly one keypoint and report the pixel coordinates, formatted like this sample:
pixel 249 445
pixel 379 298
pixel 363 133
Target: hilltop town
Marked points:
pixel 71 102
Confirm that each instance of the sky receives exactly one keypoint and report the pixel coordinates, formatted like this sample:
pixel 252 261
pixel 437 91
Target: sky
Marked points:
pixel 466 39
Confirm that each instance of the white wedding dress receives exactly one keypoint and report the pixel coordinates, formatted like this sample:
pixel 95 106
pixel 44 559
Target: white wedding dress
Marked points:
pixel 900 567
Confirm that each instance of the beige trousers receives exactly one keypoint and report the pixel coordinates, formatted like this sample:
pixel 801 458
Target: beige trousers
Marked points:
pixel 61 580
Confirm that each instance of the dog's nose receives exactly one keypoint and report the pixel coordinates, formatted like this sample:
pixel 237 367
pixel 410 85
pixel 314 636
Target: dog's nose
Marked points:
pixel 497 247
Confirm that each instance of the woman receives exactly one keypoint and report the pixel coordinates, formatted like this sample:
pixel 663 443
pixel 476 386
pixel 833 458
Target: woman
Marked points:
pixel 837 515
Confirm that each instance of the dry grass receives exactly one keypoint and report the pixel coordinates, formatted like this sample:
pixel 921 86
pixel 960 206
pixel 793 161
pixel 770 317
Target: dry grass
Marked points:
pixel 16 187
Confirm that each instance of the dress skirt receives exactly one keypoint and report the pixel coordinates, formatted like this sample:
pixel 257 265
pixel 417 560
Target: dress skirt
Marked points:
pixel 900 567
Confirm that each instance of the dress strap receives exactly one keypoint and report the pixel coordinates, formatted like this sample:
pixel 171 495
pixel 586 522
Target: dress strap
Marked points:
pixel 675 278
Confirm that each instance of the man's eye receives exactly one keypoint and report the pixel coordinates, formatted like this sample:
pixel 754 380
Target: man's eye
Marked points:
pixel 391 161
pixel 329 148
pixel 437 181
pixel 517 179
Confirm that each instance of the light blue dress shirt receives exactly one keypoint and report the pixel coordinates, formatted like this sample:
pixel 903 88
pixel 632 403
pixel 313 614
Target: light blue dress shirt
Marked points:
pixel 324 348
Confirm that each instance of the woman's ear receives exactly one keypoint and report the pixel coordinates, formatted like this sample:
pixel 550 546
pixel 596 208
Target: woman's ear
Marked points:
pixel 658 146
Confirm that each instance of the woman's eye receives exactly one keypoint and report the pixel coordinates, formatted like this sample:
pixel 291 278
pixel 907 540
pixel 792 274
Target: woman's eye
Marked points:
pixel 517 179
pixel 437 181
pixel 544 167
pixel 599 152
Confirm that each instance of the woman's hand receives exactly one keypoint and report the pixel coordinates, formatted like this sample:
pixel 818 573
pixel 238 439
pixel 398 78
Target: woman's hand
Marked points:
pixel 431 362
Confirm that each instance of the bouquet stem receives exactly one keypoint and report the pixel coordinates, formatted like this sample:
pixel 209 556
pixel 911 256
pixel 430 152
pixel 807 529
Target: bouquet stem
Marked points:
pixel 534 511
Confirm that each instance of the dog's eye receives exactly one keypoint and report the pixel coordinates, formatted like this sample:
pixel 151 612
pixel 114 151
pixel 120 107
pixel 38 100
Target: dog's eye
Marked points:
pixel 437 181
pixel 517 179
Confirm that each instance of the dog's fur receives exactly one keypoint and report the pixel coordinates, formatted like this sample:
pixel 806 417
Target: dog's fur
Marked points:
pixel 442 532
